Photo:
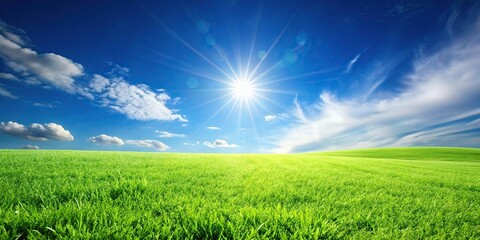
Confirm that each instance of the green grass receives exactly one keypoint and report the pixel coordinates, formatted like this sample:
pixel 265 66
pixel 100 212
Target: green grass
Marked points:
pixel 409 193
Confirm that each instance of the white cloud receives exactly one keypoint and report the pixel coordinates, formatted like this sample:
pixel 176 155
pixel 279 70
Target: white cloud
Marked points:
pixel 99 83
pixel 36 131
pixel 165 134
pixel 46 105
pixel 149 143
pixel 213 128
pixel 118 70
pixel 438 106
pixel 271 118
pixel 104 139
pixel 28 146
pixel 219 143
pixel 5 93
pixel 135 101
pixel 52 69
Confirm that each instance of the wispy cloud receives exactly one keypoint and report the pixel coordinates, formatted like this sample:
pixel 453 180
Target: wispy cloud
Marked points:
pixel 405 9
pixel 298 111
pixel 165 134
pixel 375 78
pixel 5 93
pixel 438 106
pixel 13 34
pixel 213 128
pixel 8 76
pixel 352 62
pixel 451 21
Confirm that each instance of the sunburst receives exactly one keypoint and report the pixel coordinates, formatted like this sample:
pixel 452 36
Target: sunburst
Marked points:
pixel 243 89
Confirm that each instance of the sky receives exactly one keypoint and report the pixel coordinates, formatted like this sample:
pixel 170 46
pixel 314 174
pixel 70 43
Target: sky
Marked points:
pixel 225 76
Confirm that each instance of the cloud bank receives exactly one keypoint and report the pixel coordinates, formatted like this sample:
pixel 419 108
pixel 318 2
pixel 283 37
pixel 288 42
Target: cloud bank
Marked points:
pixel 135 101
pixel 439 105
pixel 36 131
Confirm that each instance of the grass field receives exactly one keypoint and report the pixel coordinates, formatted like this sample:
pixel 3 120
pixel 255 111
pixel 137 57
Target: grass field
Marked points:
pixel 410 193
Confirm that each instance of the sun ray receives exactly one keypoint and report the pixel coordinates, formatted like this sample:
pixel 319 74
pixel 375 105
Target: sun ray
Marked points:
pixel 209 101
pixel 186 44
pixel 265 90
pixel 207 121
pixel 259 103
pixel 252 120
pixel 272 46
pixel 276 80
pixel 231 111
pixel 187 70
pixel 279 106
pixel 227 62
pixel 221 108
pixel 237 53
pixel 198 53
pixel 275 65
pixel 195 19
pixel 254 37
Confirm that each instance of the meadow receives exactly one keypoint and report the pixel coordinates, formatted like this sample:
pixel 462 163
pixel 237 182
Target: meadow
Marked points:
pixel 398 193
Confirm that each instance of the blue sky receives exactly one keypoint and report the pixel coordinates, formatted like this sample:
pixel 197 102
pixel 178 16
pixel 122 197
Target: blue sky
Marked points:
pixel 239 76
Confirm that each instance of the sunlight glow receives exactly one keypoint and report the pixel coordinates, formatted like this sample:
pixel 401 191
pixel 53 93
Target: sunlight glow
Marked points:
pixel 243 89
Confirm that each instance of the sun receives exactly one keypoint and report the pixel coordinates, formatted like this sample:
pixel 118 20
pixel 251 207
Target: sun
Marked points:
pixel 243 89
